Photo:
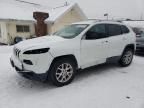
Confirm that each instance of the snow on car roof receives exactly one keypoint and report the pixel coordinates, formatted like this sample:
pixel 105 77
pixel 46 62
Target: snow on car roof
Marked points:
pixel 98 21
pixel 22 11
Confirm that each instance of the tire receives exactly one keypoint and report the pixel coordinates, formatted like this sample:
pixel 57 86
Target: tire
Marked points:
pixel 62 72
pixel 126 58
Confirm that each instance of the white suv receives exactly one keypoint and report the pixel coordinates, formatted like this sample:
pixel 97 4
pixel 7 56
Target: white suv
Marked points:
pixel 77 46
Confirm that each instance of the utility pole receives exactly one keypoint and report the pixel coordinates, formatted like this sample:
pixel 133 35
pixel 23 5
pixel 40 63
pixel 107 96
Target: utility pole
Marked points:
pixel 106 15
pixel 66 3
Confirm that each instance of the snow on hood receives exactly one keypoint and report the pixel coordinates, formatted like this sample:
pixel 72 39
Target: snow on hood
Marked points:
pixel 41 42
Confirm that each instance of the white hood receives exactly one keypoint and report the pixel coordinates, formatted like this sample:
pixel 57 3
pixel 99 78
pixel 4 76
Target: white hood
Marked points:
pixel 45 41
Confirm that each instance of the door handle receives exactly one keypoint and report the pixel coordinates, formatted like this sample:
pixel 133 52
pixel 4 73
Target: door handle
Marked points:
pixel 105 41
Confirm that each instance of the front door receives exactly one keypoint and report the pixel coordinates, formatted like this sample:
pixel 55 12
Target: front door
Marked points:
pixel 94 46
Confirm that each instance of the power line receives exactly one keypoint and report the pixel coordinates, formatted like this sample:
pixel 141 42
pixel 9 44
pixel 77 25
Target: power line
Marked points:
pixel 28 2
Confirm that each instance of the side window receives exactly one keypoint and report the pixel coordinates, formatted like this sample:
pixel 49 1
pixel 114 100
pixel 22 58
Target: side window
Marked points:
pixel 97 32
pixel 124 29
pixel 22 28
pixel 114 30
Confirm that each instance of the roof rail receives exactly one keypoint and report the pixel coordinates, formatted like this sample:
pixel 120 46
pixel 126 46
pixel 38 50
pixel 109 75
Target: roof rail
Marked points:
pixel 98 20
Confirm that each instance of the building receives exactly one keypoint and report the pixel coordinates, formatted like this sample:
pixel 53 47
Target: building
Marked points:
pixel 16 19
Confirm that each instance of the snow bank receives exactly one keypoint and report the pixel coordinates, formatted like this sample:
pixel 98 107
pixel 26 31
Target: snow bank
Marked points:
pixel 6 49
pixel 105 86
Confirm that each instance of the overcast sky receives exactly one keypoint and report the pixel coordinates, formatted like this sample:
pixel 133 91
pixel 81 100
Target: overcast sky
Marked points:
pixel 116 8
pixel 133 9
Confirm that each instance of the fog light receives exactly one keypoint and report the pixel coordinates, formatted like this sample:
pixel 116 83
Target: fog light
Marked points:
pixel 28 62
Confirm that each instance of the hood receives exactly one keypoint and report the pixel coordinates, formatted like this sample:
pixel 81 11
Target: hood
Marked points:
pixel 41 42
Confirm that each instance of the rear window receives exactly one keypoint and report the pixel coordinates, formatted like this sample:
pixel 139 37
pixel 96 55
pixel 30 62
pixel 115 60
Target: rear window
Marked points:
pixel 114 30
pixel 124 29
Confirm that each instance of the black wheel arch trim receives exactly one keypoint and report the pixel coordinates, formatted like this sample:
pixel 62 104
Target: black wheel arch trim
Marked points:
pixel 70 56
pixel 61 57
pixel 132 46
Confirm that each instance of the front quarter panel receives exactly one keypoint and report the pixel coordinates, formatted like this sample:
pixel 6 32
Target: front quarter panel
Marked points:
pixel 69 47
pixel 41 62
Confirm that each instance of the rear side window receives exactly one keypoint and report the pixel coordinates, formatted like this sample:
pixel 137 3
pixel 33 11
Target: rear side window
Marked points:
pixel 124 29
pixel 114 30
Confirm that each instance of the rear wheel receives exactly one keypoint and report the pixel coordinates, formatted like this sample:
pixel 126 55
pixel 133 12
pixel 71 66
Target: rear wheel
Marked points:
pixel 126 57
pixel 62 72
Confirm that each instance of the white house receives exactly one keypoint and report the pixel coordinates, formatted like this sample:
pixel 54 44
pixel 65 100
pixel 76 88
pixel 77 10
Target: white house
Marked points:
pixel 16 19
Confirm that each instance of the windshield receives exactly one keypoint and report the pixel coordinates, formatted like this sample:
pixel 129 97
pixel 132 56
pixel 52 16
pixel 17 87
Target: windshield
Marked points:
pixel 71 31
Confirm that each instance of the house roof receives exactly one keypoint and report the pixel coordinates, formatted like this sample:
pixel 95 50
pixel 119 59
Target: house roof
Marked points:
pixel 19 11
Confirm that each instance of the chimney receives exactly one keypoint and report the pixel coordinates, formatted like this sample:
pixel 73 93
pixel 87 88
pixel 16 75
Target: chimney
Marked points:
pixel 40 26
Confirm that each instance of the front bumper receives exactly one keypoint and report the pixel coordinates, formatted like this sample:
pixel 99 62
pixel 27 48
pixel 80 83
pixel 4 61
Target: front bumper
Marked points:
pixel 38 63
pixel 34 76
pixel 29 74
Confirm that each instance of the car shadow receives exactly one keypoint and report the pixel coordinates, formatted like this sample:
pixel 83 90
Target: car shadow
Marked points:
pixel 140 54
pixel 26 84
pixel 96 70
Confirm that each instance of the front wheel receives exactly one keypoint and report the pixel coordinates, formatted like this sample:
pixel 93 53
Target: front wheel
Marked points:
pixel 62 72
pixel 126 58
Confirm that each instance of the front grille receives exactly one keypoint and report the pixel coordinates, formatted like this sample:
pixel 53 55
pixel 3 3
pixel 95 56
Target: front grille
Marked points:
pixel 17 52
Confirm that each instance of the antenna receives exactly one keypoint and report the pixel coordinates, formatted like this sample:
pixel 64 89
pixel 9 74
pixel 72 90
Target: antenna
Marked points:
pixel 65 4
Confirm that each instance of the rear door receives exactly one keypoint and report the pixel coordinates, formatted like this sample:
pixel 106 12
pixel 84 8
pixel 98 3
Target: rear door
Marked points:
pixel 116 40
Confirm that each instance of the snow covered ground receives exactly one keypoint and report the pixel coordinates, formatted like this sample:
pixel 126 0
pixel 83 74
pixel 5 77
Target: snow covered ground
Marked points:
pixel 105 86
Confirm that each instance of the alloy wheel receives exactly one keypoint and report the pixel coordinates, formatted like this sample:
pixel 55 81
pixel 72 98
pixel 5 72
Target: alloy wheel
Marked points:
pixel 64 72
pixel 127 58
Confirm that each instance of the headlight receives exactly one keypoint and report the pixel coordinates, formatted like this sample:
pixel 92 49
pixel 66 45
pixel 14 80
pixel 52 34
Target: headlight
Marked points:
pixel 37 51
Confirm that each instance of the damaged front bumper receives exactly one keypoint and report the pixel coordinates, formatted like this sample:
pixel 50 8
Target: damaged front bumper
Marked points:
pixel 28 74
